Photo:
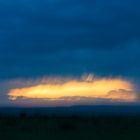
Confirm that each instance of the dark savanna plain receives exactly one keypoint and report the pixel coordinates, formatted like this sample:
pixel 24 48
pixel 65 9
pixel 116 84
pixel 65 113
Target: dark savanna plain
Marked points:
pixel 92 122
pixel 69 69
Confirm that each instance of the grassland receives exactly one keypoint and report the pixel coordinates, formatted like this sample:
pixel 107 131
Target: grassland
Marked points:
pixel 69 128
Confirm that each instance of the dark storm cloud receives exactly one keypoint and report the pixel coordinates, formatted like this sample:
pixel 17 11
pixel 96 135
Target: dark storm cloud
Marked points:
pixel 58 37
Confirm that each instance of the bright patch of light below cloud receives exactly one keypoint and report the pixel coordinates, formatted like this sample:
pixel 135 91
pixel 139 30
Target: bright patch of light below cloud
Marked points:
pixel 74 90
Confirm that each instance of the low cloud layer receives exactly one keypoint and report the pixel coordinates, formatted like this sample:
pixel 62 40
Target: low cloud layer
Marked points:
pixel 42 38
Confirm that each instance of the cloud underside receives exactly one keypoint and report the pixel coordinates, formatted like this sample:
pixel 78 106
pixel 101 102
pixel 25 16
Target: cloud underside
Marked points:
pixel 56 36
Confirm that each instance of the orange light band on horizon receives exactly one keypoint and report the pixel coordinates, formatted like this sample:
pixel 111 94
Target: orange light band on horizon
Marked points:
pixel 99 88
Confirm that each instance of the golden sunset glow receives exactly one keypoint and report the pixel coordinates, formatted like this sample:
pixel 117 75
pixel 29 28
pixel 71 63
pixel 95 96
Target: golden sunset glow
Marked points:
pixel 113 89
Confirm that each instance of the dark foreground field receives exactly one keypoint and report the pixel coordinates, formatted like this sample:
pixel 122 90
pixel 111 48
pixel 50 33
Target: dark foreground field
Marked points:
pixel 69 128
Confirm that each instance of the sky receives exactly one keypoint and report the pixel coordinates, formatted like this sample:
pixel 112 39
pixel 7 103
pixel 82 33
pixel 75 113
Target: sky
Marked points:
pixel 88 50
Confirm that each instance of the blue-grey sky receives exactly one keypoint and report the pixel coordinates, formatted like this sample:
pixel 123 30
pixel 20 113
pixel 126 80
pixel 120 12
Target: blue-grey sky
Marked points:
pixel 68 37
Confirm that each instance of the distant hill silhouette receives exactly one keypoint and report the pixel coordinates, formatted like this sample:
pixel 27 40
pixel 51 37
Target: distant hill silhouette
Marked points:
pixel 84 111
